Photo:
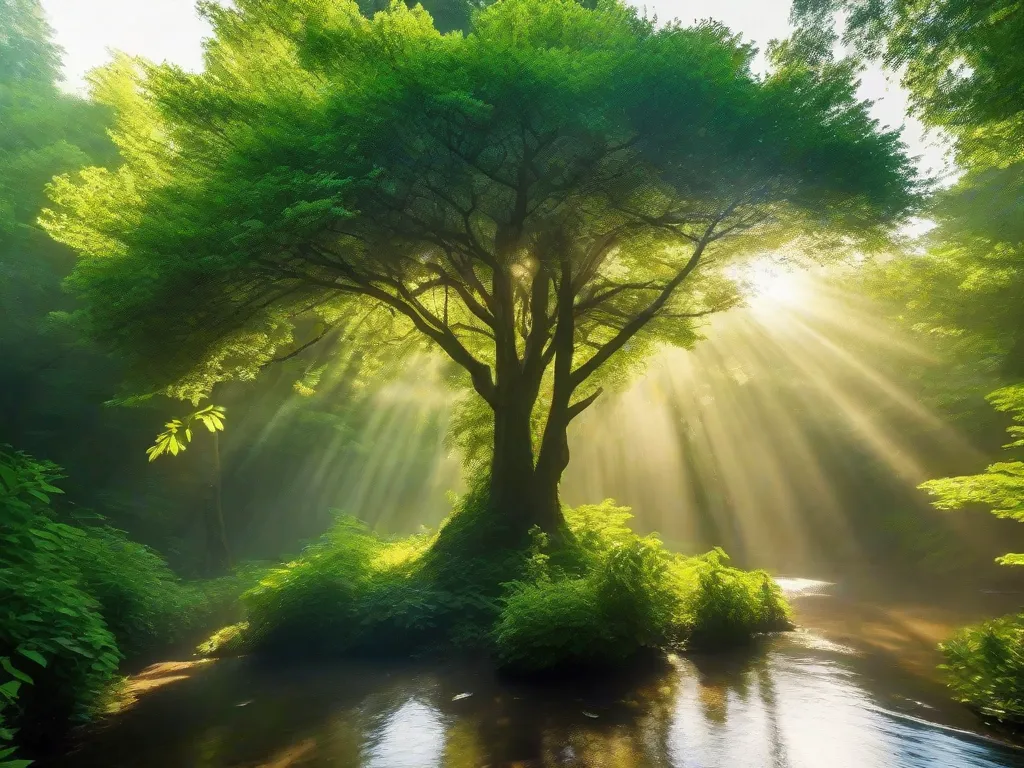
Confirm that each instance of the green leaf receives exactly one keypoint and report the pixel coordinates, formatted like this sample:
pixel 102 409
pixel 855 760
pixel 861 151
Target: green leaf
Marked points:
pixel 33 655
pixel 14 671
pixel 188 434
pixel 10 689
pixel 39 495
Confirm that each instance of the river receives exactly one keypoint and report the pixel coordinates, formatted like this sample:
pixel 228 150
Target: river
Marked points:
pixel 855 687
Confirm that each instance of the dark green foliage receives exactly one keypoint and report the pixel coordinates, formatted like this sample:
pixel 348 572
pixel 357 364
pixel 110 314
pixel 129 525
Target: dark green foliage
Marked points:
pixel 81 597
pixel 601 595
pixel 985 667
pixel 142 602
pixel 12 678
pixel 354 591
pixel 43 605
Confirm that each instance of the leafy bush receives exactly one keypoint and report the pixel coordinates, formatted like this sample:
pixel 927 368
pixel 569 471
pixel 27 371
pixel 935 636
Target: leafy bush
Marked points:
pixel 354 591
pixel 43 606
pixel 77 596
pixel 615 594
pixel 140 598
pixel 727 605
pixel 312 603
pixel 985 667
pixel 600 596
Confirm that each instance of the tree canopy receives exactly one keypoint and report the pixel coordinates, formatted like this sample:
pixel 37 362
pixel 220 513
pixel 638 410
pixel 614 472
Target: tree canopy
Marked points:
pixel 961 60
pixel 543 199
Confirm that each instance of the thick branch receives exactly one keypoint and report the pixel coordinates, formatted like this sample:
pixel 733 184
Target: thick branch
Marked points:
pixel 577 408
pixel 479 372
pixel 639 320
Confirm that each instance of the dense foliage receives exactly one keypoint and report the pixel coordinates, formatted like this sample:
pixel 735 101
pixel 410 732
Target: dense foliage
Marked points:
pixel 600 599
pixel 76 597
pixel 985 666
pixel 615 594
pixel 45 607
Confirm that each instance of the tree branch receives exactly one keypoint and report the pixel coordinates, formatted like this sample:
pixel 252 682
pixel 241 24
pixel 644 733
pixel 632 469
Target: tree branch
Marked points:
pixel 577 408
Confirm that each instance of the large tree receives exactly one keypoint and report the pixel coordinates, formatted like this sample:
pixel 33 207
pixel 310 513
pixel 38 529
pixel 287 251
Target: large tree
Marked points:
pixel 544 200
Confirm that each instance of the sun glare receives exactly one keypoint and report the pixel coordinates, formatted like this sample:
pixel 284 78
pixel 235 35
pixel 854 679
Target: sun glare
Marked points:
pixel 765 283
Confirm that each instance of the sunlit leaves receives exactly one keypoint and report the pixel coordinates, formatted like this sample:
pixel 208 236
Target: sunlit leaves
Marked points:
pixel 178 433
pixel 349 130
pixel 1001 486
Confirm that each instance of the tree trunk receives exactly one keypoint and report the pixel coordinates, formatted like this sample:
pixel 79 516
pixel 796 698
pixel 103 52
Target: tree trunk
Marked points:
pixel 520 492
pixel 218 556
pixel 512 461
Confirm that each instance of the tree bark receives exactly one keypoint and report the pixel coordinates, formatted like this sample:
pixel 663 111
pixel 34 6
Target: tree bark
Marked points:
pixel 521 488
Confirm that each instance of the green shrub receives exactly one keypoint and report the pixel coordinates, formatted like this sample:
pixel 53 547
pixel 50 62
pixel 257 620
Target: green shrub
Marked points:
pixel 612 594
pixel 349 590
pixel 600 596
pixel 140 598
pixel 43 607
pixel 724 605
pixel 354 591
pixel 82 596
pixel 985 667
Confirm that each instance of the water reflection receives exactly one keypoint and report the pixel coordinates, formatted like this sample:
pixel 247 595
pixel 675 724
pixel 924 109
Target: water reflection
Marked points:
pixel 789 702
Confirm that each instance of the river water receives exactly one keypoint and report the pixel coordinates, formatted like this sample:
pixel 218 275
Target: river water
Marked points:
pixel 855 687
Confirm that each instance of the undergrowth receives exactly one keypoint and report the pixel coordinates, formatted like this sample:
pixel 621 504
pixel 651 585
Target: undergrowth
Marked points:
pixel 601 595
pixel 76 598
pixel 985 668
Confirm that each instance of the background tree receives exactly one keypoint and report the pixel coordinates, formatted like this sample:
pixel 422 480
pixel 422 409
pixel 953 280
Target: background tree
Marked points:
pixel 544 200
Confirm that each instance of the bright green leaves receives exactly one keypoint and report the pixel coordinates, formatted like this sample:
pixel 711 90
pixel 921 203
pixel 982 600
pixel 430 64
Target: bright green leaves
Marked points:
pixel 178 433
pixel 212 416
pixel 168 441
pixel 985 667
pixel 1001 486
